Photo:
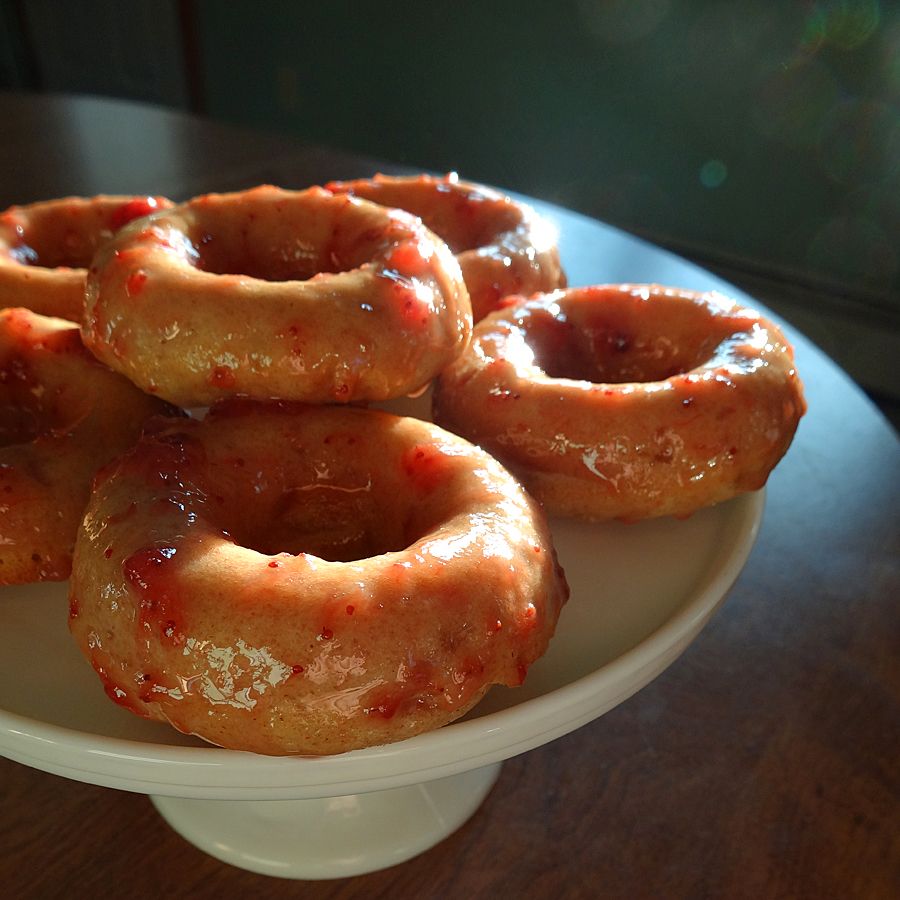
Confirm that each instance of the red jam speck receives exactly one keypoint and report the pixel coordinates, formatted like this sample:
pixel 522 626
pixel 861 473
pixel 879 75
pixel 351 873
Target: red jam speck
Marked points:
pixel 426 466
pixel 274 564
pixel 122 515
pixel 222 377
pixel 508 301
pixel 150 570
pixel 133 209
pixel 326 635
pixel 528 621
pixel 408 258
pixel 135 282
pixel 412 310
pixel 350 610
pixel 113 691
pixel 466 678
pixel 147 689
pixel 414 685
pixel 297 670
pixel 401 295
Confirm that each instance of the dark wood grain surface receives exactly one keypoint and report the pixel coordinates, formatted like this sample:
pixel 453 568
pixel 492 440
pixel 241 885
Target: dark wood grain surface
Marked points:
pixel 764 763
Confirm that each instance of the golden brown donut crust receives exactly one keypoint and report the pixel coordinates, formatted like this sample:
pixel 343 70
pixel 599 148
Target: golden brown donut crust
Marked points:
pixel 299 295
pixel 62 416
pixel 310 580
pixel 502 246
pixel 46 248
pixel 627 401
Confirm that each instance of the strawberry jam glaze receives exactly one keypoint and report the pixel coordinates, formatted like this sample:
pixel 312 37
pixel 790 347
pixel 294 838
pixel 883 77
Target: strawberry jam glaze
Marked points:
pixel 627 401
pixel 45 248
pixel 502 246
pixel 310 579
pixel 266 293
pixel 62 414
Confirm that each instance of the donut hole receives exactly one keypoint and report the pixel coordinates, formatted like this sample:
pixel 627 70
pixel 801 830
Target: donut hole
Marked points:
pixel 64 233
pixel 317 498
pixel 287 240
pixel 622 345
pixel 325 523
pixel 285 259
pixel 341 484
pixel 56 248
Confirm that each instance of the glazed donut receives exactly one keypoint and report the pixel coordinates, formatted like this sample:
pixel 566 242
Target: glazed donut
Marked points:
pixel 45 248
pixel 62 415
pixel 296 295
pixel 503 247
pixel 627 401
pixel 307 580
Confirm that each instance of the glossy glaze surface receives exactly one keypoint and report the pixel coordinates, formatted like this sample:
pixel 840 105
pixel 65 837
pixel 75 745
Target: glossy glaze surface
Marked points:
pixel 627 401
pixel 502 246
pixel 309 580
pixel 46 248
pixel 62 415
pixel 267 293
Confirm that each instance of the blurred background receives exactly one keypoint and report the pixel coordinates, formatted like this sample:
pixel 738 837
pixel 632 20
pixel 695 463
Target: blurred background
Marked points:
pixel 760 139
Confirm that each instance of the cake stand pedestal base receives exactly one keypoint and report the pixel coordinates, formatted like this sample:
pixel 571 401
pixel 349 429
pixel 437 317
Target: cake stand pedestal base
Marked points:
pixel 330 837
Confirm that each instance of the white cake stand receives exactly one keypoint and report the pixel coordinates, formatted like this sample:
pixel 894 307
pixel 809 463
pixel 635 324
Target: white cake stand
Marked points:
pixel 640 594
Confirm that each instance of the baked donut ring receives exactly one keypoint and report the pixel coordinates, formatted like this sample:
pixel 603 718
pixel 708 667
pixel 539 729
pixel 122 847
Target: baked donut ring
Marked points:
pixel 310 580
pixel 62 416
pixel 45 248
pixel 502 246
pixel 627 401
pixel 299 295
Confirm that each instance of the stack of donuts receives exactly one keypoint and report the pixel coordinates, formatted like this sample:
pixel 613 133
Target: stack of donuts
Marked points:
pixel 258 557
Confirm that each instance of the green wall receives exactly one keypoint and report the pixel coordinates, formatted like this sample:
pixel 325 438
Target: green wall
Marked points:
pixel 766 133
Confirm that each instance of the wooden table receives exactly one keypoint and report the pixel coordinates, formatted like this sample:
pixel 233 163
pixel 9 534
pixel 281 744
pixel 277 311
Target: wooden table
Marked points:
pixel 764 763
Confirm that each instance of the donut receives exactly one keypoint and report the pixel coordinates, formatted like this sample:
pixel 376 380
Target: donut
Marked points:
pixel 62 416
pixel 296 295
pixel 292 579
pixel 627 401
pixel 46 247
pixel 503 247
